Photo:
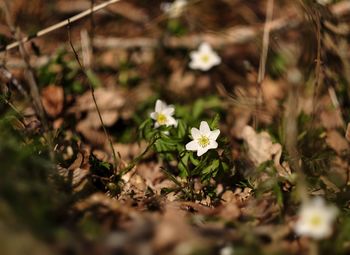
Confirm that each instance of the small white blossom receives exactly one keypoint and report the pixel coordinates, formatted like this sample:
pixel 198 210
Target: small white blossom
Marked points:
pixel 227 250
pixel 163 114
pixel 203 139
pixel 205 58
pixel 316 219
pixel 174 9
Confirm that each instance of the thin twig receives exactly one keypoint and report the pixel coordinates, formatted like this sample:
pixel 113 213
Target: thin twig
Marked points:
pixel 59 25
pixel 93 98
pixel 318 65
pixel 266 39
pixel 29 73
pixel 263 56
pixel 92 24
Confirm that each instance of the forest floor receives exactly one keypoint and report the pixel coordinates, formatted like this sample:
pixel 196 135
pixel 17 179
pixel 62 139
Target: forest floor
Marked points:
pixel 114 140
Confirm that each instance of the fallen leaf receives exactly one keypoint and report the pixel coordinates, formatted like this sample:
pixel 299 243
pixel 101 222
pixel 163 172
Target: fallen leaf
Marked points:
pixel 260 146
pixel 336 141
pixel 52 98
pixel 347 134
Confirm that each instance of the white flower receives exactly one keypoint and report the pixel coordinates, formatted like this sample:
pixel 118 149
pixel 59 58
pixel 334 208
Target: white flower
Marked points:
pixel 163 114
pixel 205 58
pixel 174 9
pixel 203 139
pixel 227 250
pixel 316 219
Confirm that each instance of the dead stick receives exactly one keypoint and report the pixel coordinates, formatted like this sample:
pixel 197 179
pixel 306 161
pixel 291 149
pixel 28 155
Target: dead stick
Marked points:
pixel 93 98
pixel 59 25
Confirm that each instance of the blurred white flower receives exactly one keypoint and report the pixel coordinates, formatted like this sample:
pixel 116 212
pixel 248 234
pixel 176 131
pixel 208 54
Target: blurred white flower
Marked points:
pixel 205 58
pixel 315 219
pixel 163 114
pixel 324 2
pixel 174 9
pixel 227 250
pixel 203 139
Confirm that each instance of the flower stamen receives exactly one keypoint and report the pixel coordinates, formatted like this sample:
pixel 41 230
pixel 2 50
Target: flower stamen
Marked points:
pixel 315 220
pixel 161 119
pixel 203 141
pixel 205 58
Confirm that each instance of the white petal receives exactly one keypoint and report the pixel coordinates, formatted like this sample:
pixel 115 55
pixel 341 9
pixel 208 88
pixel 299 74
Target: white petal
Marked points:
pixel 171 121
pixel 212 145
pixel 216 60
pixel 201 151
pixel 204 128
pixel 153 115
pixel 160 105
pixel 214 134
pixel 192 146
pixel 194 55
pixel 193 65
pixel 205 47
pixel 169 110
pixel 195 61
pixel 204 66
pixel 318 202
pixel 195 133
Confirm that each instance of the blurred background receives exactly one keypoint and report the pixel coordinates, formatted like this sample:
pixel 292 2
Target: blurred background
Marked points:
pixel 134 52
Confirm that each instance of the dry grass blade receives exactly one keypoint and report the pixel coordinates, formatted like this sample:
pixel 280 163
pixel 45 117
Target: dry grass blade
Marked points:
pixel 59 25
pixel 94 98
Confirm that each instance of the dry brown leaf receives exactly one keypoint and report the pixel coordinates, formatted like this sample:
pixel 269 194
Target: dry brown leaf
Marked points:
pixel 172 223
pixel 261 149
pixel 98 199
pixel 264 209
pixel 76 173
pixel 52 98
pixel 130 150
pixel 180 81
pixel 336 141
pixel 109 102
pixel 260 146
pixel 347 134
pixel 330 116
pixel 230 209
pixel 94 136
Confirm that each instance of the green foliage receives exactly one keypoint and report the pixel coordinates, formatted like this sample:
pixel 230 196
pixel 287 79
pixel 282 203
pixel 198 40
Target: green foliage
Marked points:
pixel 65 72
pixel 27 183
pixel 175 27
pixel 312 146
pixel 169 146
pixel 103 176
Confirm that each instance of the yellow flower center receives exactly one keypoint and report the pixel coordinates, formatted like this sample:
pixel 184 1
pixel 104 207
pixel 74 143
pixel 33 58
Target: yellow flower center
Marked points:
pixel 205 58
pixel 161 119
pixel 315 220
pixel 203 141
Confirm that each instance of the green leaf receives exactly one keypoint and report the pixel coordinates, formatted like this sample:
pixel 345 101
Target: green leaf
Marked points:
pixel 194 161
pixel 93 79
pixel 198 108
pixel 183 165
pixel 214 124
pixel 212 167
pixel 181 129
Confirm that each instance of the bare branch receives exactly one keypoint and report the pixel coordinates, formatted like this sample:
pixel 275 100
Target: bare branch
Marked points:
pixel 59 25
